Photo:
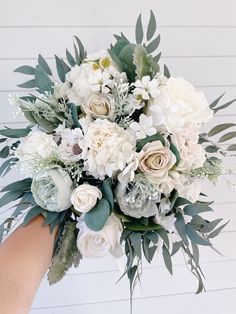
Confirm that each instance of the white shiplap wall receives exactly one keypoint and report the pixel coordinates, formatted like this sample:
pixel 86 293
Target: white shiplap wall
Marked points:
pixel 198 42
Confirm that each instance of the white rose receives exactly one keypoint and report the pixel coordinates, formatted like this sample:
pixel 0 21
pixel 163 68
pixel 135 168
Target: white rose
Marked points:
pixel 98 106
pixel 85 197
pixel 179 102
pixel 110 148
pixel 192 154
pixel 156 161
pixel 98 244
pixel 52 189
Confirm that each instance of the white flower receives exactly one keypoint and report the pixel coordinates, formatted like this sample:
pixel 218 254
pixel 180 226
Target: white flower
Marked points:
pixel 52 189
pixel 36 150
pixel 190 190
pixel 100 81
pixel 72 146
pixel 98 106
pixel 144 127
pixel 164 205
pixel 127 175
pixel 61 90
pixel 146 88
pixel 192 154
pixel 85 197
pixel 174 180
pixel 110 148
pixel 156 161
pixel 93 244
pixel 167 222
pixel 177 104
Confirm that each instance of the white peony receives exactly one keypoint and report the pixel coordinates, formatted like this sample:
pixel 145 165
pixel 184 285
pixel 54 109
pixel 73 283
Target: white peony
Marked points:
pixel 52 189
pixel 144 127
pixel 35 151
pixel 178 103
pixel 93 244
pixel 110 148
pixel 85 197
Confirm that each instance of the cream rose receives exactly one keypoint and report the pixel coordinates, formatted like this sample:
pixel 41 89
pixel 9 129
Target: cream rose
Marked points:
pixel 98 107
pixel 156 161
pixel 178 103
pixel 98 244
pixel 85 197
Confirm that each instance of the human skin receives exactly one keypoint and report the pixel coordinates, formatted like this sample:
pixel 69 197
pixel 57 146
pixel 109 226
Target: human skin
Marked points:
pixel 24 259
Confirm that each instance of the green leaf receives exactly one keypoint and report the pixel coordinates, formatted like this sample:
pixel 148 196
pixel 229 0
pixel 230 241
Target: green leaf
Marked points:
pixel 219 128
pixel 195 237
pixel 116 59
pixel 153 44
pixel 25 69
pixel 181 227
pixel 197 208
pixel 211 149
pixel 4 153
pixel 15 133
pixel 209 226
pixel 227 137
pixel 136 240
pixel 107 193
pixel 142 61
pixel 60 69
pixel 20 185
pixel 96 218
pixel 157 57
pixel 149 139
pixel 151 26
pixel 2 140
pixel 28 84
pixel 6 164
pixel 50 217
pixel 42 80
pixel 216 232
pixel 74 115
pixel 215 102
pixel 77 57
pixel 82 52
pixel 166 72
pixel 167 259
pixel 32 213
pixel 42 62
pixel 175 248
pixel 195 250
pixel 231 147
pixel 224 106
pixel 70 58
pixel 152 236
pixel 164 235
pixel 10 197
pixel 180 201
pixel 134 226
pixel 139 30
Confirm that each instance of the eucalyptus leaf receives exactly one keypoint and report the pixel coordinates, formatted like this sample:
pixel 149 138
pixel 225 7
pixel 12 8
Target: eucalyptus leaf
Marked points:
pixel 196 208
pixel 107 193
pixel 15 133
pixel 70 58
pixel 42 62
pixel 149 139
pixel 10 197
pixel 151 26
pixel 195 237
pixel 25 69
pixel 166 72
pixel 224 106
pixel 43 81
pixel 6 164
pixel 157 57
pixel 136 240
pixel 139 30
pixel 4 152
pixel 32 213
pixel 60 69
pixel 21 185
pixel 231 147
pixel 219 128
pixel 181 227
pixel 82 51
pixel 28 84
pixel 167 259
pixel 211 149
pixel 217 231
pixel 227 137
pixel 96 218
pixel 153 45
pixel 215 102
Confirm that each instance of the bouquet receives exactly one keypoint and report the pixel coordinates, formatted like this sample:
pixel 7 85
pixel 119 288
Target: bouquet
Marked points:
pixel 113 156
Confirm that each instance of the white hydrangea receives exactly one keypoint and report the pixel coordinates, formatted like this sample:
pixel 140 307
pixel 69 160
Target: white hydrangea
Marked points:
pixel 110 148
pixel 178 103
pixel 35 151
pixel 144 127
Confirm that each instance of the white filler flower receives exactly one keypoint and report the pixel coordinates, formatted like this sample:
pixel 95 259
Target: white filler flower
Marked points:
pixel 144 127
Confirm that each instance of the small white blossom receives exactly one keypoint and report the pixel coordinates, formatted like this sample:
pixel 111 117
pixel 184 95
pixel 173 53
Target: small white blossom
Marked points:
pixel 146 88
pixel 144 127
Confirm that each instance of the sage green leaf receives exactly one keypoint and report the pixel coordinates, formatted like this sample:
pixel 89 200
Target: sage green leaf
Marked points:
pixel 149 139
pixel 175 248
pixel 157 57
pixel 15 133
pixel 219 128
pixel 152 236
pixel 216 232
pixel 153 44
pixel 43 81
pixel 82 52
pixel 164 235
pixel 42 62
pixel 107 193
pixel 50 217
pixel 32 213
pixel 224 105
pixel 77 56
pixel 227 137
pixel 209 226
pixel 195 237
pixel 6 164
pixel 134 226
pixel 4 152
pixel 167 259
pixel 74 115
pixel 166 72
pixel 60 69
pixel 66 67
pixel 136 241
pixel 232 147
pixel 10 197
pixel 139 30
pixel 25 69
pixel 96 218
pixel 196 208
pixel 28 84
pixel 151 26
pixel 180 201
pixel 181 227
pixel 195 250
pixel 215 102
pixel 21 185
pixel 2 140
pixel 142 61
pixel 116 59
pixel 70 58
pixel 211 149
